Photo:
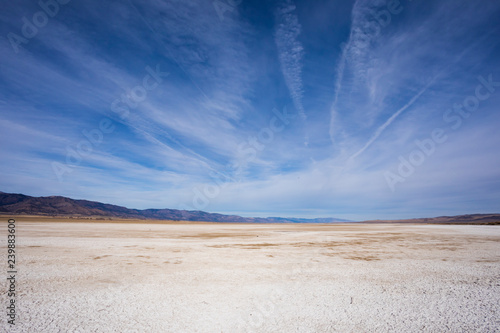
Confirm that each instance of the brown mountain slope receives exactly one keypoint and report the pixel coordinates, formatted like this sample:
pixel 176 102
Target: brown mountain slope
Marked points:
pixel 20 204
pixel 458 219
pixel 62 206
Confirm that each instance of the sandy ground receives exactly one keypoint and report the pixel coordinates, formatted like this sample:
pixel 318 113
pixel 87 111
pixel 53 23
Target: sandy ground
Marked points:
pixel 117 277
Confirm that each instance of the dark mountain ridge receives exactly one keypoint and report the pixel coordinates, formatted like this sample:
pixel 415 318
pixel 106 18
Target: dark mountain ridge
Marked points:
pixel 20 204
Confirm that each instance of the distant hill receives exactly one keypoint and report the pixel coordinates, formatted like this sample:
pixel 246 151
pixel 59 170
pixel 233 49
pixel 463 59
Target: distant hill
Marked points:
pixel 458 219
pixel 302 220
pixel 20 204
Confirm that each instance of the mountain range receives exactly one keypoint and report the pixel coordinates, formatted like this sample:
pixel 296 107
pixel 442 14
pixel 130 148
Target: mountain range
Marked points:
pixel 20 204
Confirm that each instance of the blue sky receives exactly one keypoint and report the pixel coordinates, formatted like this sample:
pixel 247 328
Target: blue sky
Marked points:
pixel 350 109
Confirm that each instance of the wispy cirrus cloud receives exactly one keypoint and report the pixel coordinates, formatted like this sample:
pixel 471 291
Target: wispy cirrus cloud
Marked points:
pixel 291 53
pixel 376 71
pixel 367 102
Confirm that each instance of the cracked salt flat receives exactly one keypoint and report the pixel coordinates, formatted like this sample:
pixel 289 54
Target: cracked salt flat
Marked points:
pixel 113 277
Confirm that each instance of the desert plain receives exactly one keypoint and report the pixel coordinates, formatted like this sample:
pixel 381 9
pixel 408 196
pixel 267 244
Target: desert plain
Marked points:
pixel 136 276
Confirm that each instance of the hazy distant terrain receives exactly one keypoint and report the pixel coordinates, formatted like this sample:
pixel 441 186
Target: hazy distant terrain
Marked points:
pixel 20 204
pixel 459 219
pixel 62 206
pixel 213 277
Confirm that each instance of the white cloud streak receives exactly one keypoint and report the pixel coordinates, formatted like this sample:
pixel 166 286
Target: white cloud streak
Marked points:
pixel 390 120
pixel 291 52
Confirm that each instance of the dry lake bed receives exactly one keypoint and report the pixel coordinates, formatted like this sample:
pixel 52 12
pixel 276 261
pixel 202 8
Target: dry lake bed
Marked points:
pixel 205 277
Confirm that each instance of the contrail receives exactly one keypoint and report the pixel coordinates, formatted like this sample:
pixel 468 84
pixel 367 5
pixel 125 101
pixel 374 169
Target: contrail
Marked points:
pixel 397 113
pixel 391 119
pixel 291 52
pixel 340 76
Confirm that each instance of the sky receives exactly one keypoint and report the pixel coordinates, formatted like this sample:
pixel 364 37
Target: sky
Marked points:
pixel 348 109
